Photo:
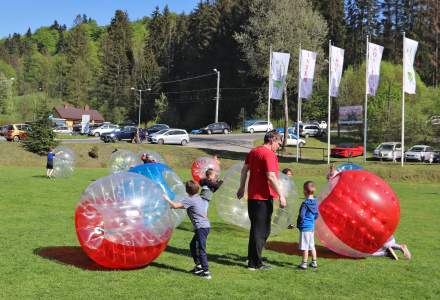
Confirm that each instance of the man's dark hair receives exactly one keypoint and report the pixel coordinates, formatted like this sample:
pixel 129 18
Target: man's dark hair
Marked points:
pixel 192 187
pixel 272 136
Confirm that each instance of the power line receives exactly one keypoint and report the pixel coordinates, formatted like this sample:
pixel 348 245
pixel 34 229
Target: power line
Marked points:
pixel 189 78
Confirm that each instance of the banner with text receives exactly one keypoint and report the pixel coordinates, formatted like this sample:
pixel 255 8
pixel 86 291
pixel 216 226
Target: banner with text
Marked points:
pixel 336 63
pixel 374 59
pixel 278 74
pixel 307 66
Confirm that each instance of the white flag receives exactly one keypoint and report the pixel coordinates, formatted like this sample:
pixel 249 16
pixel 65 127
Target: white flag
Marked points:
pixel 278 72
pixel 336 63
pixel 374 59
pixel 409 55
pixel 307 65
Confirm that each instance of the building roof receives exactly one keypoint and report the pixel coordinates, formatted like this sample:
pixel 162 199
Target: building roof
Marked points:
pixel 73 113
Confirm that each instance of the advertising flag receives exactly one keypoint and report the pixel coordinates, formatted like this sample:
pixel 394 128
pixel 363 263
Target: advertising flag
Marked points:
pixel 307 65
pixel 278 71
pixel 374 59
pixel 409 55
pixel 336 63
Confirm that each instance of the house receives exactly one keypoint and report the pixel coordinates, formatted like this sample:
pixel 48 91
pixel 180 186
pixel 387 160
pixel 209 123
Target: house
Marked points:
pixel 73 115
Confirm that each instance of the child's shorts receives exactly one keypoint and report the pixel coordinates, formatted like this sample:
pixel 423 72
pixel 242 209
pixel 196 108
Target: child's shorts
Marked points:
pixel 49 166
pixel 306 240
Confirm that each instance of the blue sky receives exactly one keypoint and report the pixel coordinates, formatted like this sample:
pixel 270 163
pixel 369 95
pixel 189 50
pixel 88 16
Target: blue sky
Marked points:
pixel 19 15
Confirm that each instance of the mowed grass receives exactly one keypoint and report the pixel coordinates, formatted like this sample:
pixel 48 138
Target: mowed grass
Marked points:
pixel 40 257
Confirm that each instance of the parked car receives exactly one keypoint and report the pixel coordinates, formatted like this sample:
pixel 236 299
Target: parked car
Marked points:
pixel 388 151
pixel 420 153
pixel 17 132
pixel 347 150
pixel 252 126
pixel 321 124
pixel 290 130
pixel 170 136
pixel 104 128
pixel 220 127
pixel 127 133
pixel 307 130
pixel 3 130
pixel 156 128
pixel 63 130
pixel 292 140
pixel 436 157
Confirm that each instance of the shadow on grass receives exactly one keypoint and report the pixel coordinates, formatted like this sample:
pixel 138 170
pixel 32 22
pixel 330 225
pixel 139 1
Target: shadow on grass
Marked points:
pixel 292 249
pixel 40 176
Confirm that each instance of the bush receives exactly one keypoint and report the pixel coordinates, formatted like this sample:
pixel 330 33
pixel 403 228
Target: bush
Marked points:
pixel 93 153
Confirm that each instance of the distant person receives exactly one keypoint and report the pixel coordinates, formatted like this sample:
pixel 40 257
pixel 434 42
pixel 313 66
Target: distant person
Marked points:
pixel 210 184
pixel 388 249
pixel 147 158
pixel 263 188
pixel 115 150
pixel 49 163
pixel 288 172
pixel 308 213
pixel 197 211
pixel 332 172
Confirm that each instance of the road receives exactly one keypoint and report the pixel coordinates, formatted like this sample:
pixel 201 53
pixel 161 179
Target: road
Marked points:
pixel 228 142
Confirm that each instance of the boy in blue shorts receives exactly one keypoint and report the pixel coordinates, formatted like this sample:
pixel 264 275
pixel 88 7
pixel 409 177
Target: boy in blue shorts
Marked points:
pixel 308 213
pixel 197 210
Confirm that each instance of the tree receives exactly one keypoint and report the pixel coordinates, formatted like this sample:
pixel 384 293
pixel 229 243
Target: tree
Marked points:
pixel 160 106
pixel 5 94
pixel 117 62
pixel 41 137
pixel 333 12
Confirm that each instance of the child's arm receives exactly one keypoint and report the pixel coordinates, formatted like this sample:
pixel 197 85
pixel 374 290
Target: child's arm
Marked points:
pixel 216 185
pixel 173 204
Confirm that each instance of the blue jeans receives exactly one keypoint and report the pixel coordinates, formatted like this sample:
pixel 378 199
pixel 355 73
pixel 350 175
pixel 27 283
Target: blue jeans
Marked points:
pixel 198 247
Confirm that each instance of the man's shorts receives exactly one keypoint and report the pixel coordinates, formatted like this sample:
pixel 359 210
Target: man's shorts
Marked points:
pixel 306 240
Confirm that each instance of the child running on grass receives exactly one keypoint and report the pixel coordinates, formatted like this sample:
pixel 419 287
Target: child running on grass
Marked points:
pixel 49 164
pixel 308 213
pixel 197 211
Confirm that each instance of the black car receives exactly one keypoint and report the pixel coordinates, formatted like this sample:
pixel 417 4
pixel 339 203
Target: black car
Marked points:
pixel 127 133
pixel 156 128
pixel 220 127
pixel 436 157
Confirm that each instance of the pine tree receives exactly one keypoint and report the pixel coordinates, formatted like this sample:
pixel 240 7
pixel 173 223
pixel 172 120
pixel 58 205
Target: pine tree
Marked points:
pixel 41 137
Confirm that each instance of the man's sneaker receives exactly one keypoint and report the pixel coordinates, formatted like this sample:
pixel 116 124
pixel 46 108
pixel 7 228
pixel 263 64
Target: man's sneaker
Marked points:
pixel 260 268
pixel 205 275
pixel 303 265
pixel 313 264
pixel 196 270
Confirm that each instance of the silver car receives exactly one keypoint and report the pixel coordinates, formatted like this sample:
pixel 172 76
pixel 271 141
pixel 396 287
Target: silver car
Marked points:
pixel 170 136
pixel 420 153
pixel 388 151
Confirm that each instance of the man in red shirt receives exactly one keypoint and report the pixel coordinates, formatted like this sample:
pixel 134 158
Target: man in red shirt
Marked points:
pixel 263 188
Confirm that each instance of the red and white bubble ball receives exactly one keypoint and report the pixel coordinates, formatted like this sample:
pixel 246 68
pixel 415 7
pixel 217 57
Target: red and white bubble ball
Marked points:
pixel 201 165
pixel 358 213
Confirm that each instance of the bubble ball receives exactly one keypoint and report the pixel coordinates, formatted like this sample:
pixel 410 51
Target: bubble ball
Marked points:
pixel 169 182
pixel 358 213
pixel 123 160
pixel 122 222
pixel 348 167
pixel 234 211
pixel 201 165
pixel 63 162
pixel 156 156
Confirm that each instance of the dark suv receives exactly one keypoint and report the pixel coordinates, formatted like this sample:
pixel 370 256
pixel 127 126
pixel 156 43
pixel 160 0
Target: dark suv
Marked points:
pixel 220 127
pixel 127 133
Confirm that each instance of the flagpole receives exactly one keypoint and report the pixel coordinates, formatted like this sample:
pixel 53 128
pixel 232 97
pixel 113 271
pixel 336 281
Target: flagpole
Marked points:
pixel 270 78
pixel 329 99
pixel 403 104
pixel 299 104
pixel 366 102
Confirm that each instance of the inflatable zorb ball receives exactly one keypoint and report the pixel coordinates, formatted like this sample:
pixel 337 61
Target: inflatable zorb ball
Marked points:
pixel 201 165
pixel 63 162
pixel 168 181
pixel 234 211
pixel 156 156
pixel 358 213
pixel 122 222
pixel 123 160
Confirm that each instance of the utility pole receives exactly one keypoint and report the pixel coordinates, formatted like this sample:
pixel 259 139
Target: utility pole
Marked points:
pixel 217 100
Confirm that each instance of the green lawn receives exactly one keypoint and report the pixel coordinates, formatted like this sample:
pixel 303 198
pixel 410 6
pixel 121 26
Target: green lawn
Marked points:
pixel 40 257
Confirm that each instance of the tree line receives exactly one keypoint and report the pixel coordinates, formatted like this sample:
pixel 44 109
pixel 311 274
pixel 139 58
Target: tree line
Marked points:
pixel 98 65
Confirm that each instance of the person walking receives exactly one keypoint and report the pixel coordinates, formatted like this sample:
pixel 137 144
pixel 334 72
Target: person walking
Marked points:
pixel 263 187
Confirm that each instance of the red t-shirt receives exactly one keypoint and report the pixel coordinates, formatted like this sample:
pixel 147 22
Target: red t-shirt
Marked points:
pixel 260 161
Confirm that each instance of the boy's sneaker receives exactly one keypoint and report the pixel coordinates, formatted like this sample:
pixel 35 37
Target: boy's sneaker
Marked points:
pixel 196 270
pixel 303 265
pixel 313 264
pixel 205 275
pixel 291 226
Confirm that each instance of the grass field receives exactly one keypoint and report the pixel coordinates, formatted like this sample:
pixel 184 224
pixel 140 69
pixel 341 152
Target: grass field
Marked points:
pixel 40 257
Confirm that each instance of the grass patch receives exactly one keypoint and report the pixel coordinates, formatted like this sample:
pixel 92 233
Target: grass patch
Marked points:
pixel 73 137
pixel 40 256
